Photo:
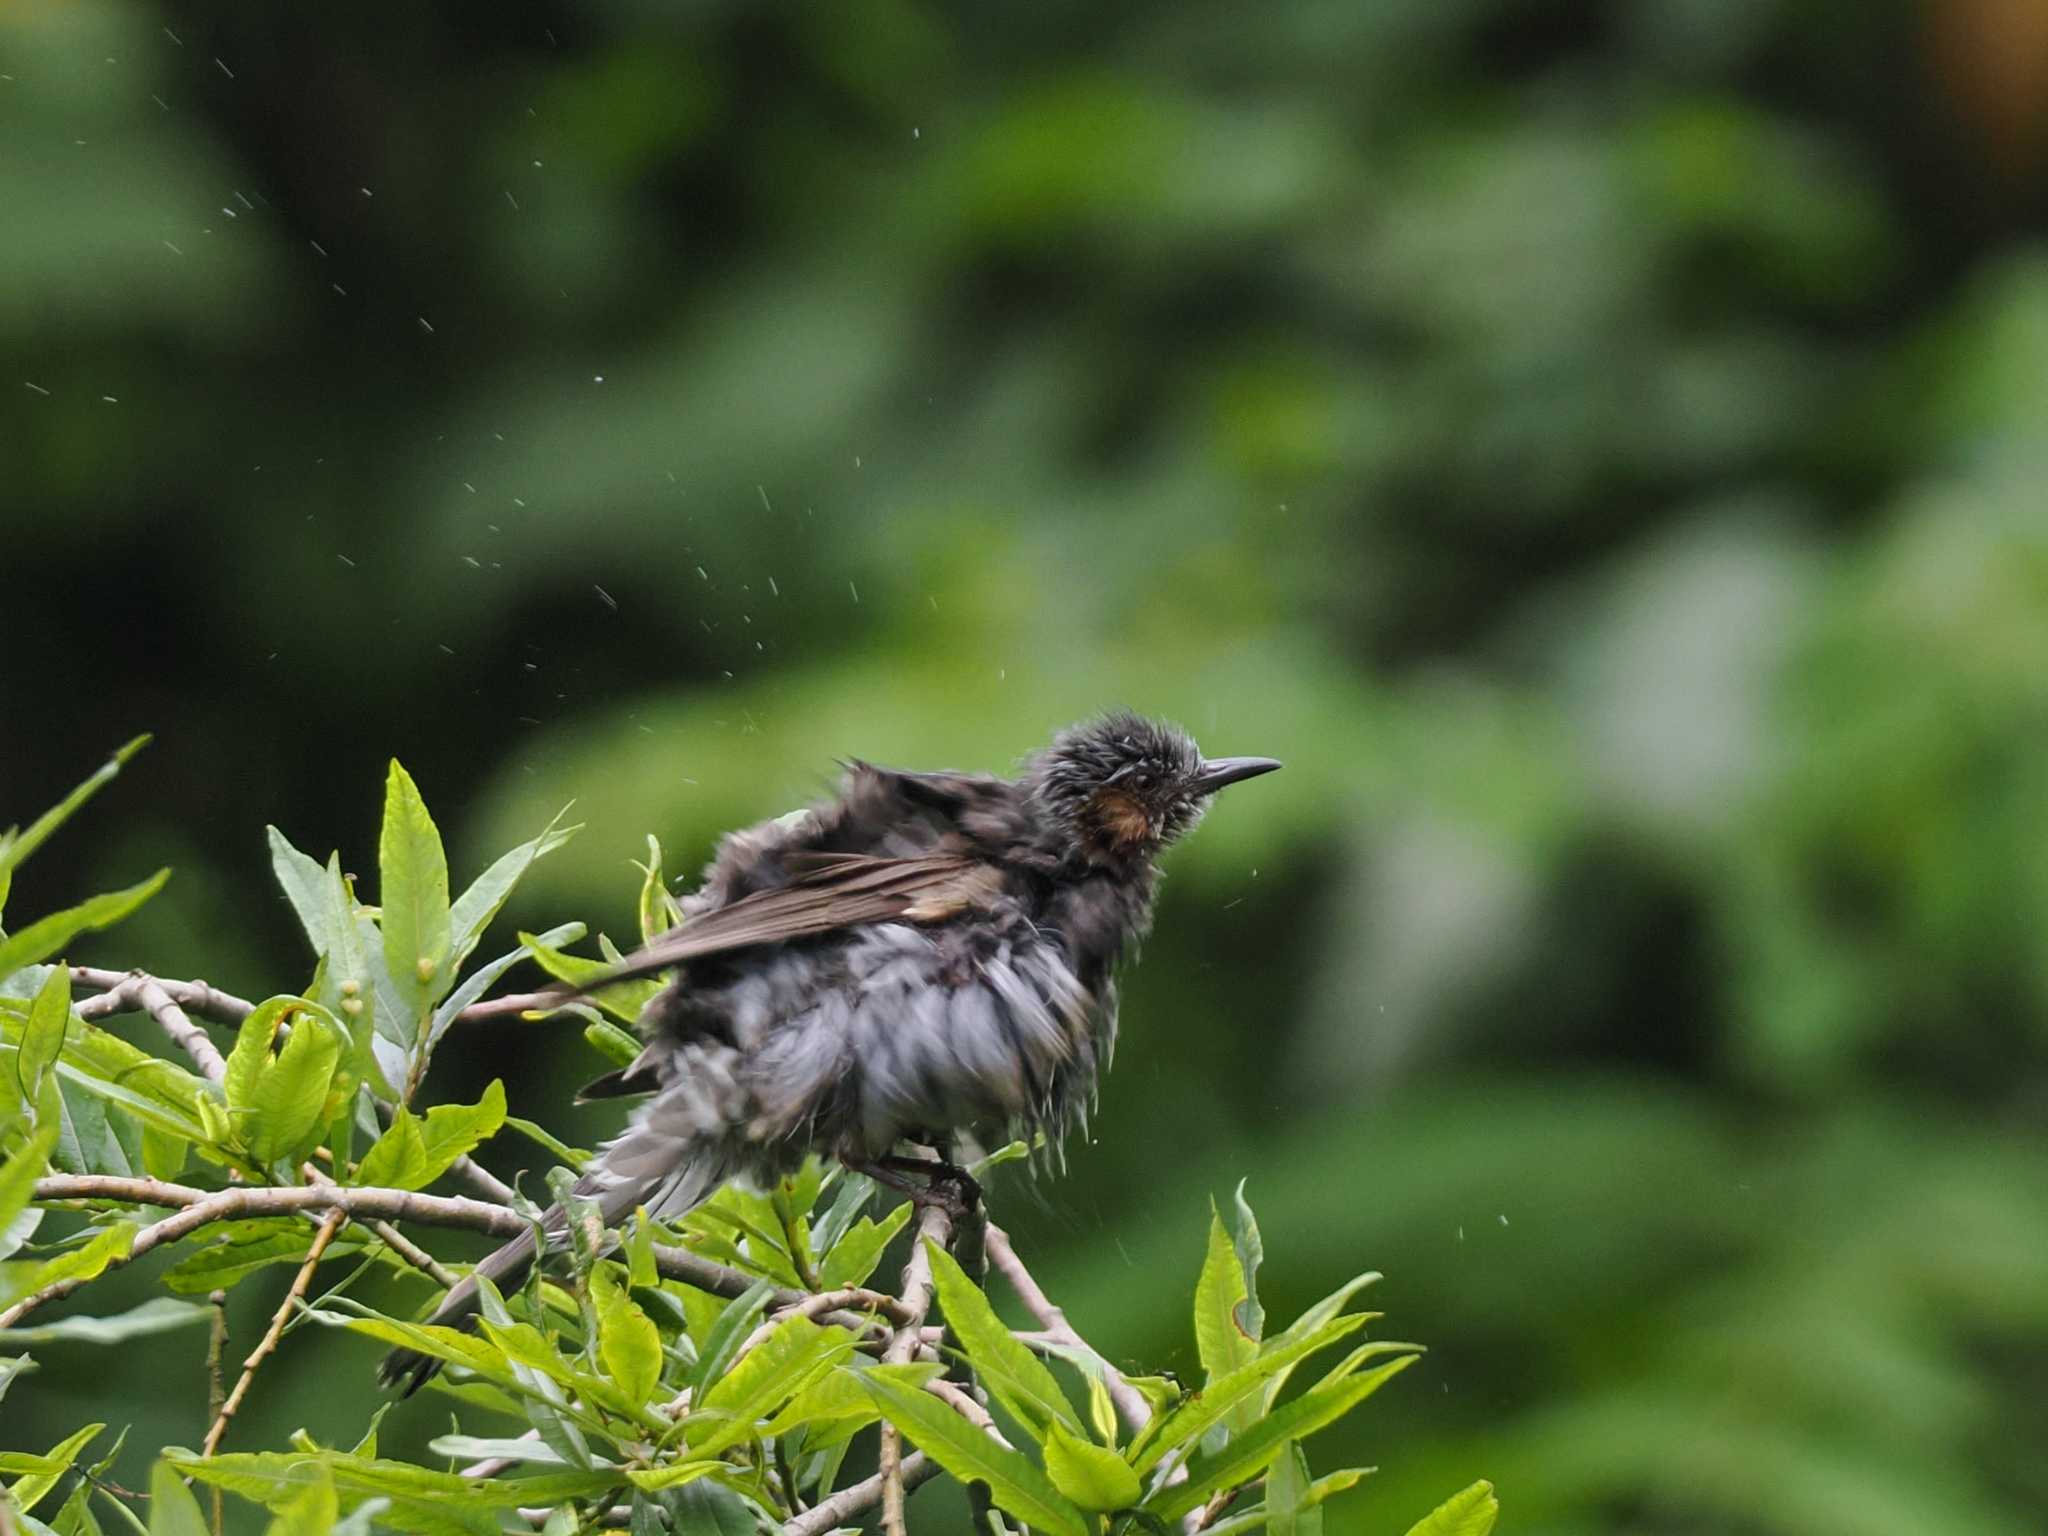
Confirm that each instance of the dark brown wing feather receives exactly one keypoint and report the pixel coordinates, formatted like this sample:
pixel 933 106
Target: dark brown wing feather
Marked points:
pixel 833 892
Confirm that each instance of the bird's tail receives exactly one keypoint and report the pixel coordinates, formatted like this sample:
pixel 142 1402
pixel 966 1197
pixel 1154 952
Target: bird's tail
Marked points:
pixel 408 1369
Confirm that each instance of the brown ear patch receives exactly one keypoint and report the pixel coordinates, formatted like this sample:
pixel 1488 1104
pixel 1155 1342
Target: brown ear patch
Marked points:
pixel 1122 819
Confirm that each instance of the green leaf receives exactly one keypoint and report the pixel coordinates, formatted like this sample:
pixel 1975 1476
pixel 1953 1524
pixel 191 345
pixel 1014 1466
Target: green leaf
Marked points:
pixel 1194 1415
pixel 838 1398
pixel 794 1354
pixel 1291 1509
pixel 312 1511
pixel 853 1258
pixel 413 890
pixel 659 910
pixel 475 907
pixel 1094 1478
pixel 735 1321
pixel 1309 1321
pixel 541 1136
pixel 1470 1513
pixel 42 939
pixel 105 1249
pixel 274 1477
pixel 42 1038
pixel 172 1509
pixel 1251 1253
pixel 281 1096
pixel 612 1042
pixel 1220 1337
pixel 627 1341
pixel 480 980
pixel 16 847
pixel 235 1250
pixel 34 1487
pixel 158 1315
pixel 414 1152
pixel 349 985
pixel 1014 1376
pixel 639 1249
pixel 1247 1455
pixel 623 1000
pixel 19 1173
pixel 398 1158
pixel 1014 1484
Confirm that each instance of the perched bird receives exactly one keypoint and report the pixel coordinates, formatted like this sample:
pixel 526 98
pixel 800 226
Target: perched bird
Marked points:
pixel 923 954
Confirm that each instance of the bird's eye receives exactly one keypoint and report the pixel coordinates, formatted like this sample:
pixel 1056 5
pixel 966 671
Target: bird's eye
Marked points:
pixel 1142 780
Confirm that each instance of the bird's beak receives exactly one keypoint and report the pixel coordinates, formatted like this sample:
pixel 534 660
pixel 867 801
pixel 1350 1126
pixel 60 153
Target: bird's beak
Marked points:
pixel 1219 771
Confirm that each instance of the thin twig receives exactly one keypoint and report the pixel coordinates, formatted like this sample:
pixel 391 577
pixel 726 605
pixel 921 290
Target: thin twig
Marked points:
pixel 216 1388
pixel 511 1003
pixel 935 1225
pixel 397 1241
pixel 262 1351
pixel 850 1501
pixel 164 1001
pixel 1130 1402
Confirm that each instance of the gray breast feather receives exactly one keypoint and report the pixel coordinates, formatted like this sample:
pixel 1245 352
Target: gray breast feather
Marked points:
pixel 902 1028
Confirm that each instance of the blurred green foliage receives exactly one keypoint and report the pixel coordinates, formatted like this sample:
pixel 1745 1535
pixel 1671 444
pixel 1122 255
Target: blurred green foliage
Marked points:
pixel 1598 446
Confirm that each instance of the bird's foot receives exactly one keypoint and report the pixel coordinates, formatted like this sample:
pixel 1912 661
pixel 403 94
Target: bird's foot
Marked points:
pixel 929 1182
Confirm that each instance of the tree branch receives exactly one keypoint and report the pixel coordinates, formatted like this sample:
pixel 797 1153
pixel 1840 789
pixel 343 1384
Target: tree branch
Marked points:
pixel 913 1470
pixel 1130 1402
pixel 164 1001
pixel 935 1226
pixel 263 1350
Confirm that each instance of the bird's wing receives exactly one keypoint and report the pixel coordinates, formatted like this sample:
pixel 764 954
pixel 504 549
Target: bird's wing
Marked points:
pixel 832 892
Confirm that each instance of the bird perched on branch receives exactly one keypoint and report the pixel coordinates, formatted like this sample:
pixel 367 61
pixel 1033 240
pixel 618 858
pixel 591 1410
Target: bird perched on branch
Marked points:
pixel 922 955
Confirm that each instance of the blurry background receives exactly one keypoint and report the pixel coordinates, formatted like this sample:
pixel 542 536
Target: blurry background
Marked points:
pixel 1598 446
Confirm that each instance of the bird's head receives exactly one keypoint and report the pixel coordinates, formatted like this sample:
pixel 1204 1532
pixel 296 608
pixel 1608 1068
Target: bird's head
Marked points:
pixel 1123 786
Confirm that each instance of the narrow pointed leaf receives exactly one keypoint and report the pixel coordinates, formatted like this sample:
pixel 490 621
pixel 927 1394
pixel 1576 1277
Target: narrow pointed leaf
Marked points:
pixel 1470 1513
pixel 1098 1480
pixel 42 939
pixel 1220 1338
pixel 1015 1486
pixel 412 888
pixel 1014 1376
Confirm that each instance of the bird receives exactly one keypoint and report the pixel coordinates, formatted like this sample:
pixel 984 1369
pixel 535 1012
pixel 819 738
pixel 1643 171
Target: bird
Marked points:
pixel 922 955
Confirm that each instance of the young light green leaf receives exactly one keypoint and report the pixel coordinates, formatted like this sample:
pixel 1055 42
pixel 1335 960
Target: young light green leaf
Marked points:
pixel 413 1152
pixel 44 938
pixel 1194 1415
pixel 1248 1454
pixel 853 1258
pixel 398 1158
pixel 627 1341
pixel 735 1321
pixel 312 1511
pixel 34 1487
pixel 612 1042
pixel 659 910
pixel 1014 1484
pixel 1220 1338
pixel 413 890
pixel 106 1248
pixel 623 1000
pixel 793 1355
pixel 283 1094
pixel 1470 1513
pixel 475 907
pixel 639 1248
pixel 1014 1376
pixel 42 1038
pixel 1096 1479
